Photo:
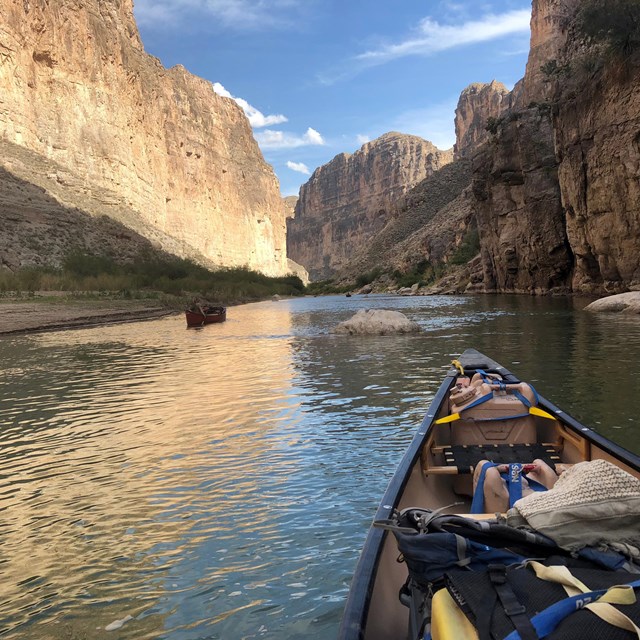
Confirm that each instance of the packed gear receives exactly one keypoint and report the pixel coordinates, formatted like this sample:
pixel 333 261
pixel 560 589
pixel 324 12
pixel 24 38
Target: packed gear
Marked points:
pixel 467 556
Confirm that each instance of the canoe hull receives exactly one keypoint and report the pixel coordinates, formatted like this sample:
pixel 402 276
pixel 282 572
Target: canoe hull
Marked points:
pixel 373 610
pixel 197 319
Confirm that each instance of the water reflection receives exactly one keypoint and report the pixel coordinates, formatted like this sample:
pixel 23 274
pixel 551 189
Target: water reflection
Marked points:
pixel 219 483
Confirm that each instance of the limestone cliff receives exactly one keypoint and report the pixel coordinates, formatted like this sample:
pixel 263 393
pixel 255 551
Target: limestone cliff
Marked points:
pixel 556 187
pixel 476 105
pixel 518 209
pixel 347 201
pixel 596 126
pixel 431 220
pixel 179 161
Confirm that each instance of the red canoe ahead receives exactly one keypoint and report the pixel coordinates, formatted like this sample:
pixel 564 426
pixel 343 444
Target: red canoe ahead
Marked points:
pixel 205 315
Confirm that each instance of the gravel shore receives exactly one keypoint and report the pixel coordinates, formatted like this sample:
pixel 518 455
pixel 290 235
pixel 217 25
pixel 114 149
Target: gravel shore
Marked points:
pixel 27 316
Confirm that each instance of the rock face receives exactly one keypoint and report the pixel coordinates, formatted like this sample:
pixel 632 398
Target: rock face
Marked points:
pixel 290 203
pixel 477 103
pixel 598 145
pixel 550 20
pixel 556 187
pixel 518 208
pixel 431 219
pixel 347 201
pixel 377 322
pixel 77 88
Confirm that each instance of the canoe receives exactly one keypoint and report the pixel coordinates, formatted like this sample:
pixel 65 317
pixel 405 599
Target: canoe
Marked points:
pixel 199 316
pixel 428 476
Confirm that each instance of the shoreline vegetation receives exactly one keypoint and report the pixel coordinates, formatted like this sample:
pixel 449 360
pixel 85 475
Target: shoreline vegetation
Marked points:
pixel 95 290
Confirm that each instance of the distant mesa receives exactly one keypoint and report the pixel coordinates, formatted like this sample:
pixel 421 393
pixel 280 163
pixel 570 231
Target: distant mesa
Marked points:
pixel 350 199
pixel 378 322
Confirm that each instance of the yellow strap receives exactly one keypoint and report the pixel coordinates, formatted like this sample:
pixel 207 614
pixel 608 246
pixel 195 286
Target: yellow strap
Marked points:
pixel 535 411
pixel 458 365
pixel 559 575
pixel 618 594
pixel 452 418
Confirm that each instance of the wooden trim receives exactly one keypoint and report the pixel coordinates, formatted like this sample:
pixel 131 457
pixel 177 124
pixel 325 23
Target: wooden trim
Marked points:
pixel 442 471
pixel 581 444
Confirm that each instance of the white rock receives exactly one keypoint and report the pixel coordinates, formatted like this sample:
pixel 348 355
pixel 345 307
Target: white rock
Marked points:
pixel 377 322
pixel 621 303
pixel 116 624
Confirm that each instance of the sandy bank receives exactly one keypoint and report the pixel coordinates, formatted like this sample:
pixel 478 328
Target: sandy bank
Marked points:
pixel 26 316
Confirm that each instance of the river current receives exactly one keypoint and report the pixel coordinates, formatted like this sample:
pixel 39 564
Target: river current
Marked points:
pixel 219 483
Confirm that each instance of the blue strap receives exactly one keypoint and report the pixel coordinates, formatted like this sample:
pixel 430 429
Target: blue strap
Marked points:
pixel 481 400
pixel 477 505
pixel 496 419
pixel 513 478
pixel 514 482
pixel 534 484
pixel 547 620
pixel 523 399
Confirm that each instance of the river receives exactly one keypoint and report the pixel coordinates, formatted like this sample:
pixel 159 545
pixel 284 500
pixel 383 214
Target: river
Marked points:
pixel 219 483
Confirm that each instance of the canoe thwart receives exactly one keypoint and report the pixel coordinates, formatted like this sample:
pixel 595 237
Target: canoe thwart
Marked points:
pixel 462 459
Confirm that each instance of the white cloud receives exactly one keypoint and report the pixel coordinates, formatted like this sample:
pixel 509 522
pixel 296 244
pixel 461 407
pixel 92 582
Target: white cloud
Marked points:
pixel 362 139
pixel 256 118
pixel 270 139
pixel 433 37
pixel 237 14
pixel 300 167
pixel 313 137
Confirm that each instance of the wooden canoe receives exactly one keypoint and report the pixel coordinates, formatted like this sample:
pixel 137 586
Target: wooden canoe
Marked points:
pixel 199 316
pixel 373 610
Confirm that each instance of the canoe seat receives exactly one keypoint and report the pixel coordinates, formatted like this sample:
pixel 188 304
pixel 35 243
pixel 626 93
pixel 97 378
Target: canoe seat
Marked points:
pixel 462 459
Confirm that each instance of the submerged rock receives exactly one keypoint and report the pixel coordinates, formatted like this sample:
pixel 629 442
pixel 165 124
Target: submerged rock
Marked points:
pixel 621 303
pixel 117 624
pixel 377 322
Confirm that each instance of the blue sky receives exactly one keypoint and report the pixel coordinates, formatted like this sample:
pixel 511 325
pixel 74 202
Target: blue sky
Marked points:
pixel 321 77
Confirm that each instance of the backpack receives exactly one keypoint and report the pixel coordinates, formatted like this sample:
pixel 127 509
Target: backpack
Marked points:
pixel 465 555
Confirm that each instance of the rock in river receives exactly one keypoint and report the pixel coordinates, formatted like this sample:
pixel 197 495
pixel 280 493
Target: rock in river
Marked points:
pixel 623 302
pixel 377 322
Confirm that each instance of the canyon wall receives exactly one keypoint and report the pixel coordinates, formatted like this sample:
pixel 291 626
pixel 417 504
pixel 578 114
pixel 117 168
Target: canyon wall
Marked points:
pixel 431 220
pixel 597 133
pixel 347 201
pixel 476 105
pixel 556 187
pixel 77 88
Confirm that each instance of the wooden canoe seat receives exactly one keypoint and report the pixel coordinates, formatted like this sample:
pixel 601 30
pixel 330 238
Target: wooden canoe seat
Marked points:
pixel 462 459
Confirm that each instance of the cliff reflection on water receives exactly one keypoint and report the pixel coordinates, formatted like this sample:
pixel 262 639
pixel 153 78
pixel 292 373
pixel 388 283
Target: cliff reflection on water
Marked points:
pixel 219 483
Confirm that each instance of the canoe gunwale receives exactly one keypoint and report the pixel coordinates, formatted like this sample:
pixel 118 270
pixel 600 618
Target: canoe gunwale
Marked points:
pixel 357 605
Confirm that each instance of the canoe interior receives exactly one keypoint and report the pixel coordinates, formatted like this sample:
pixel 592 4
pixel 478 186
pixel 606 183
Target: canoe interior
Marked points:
pixel 373 611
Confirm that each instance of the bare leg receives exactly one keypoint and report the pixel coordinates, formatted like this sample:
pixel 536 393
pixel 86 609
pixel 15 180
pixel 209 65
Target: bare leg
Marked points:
pixel 496 494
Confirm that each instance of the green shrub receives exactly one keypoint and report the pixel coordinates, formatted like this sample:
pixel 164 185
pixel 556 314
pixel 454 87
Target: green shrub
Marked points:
pixel 367 278
pixel 468 249
pixel 614 23
pixel 423 273
pixel 173 276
